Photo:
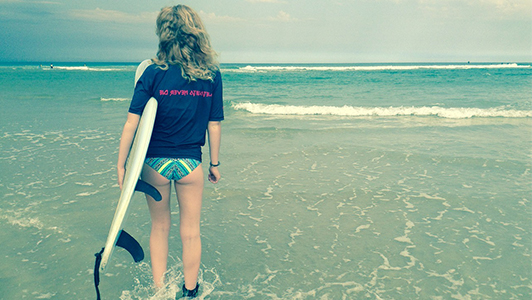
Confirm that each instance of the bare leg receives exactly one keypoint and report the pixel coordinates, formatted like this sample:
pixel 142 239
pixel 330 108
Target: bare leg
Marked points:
pixel 160 223
pixel 189 194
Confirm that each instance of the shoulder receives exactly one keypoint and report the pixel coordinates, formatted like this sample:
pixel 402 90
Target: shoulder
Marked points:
pixel 149 73
pixel 154 69
pixel 158 73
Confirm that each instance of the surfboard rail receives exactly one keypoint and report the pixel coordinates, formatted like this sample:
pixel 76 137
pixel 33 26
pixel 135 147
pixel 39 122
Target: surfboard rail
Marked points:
pixel 133 169
pixel 117 236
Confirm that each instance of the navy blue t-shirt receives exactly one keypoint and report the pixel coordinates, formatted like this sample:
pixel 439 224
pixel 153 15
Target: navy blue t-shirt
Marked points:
pixel 183 112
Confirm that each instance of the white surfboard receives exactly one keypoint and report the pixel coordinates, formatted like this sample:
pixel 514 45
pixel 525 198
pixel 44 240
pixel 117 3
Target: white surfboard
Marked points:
pixel 134 164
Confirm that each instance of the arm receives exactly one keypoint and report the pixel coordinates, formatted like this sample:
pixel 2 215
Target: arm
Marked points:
pixel 215 135
pixel 125 144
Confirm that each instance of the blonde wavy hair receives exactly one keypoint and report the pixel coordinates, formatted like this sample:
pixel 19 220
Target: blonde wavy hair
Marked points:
pixel 184 41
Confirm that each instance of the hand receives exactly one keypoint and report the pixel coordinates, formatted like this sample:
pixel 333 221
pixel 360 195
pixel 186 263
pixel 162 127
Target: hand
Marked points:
pixel 121 171
pixel 214 175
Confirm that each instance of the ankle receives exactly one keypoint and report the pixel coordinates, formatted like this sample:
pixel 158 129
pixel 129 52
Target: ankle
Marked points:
pixel 190 293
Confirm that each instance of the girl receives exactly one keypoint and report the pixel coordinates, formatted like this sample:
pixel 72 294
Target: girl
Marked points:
pixel 186 81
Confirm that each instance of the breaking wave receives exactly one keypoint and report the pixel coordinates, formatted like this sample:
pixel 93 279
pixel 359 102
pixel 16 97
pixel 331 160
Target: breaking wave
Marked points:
pixel 114 99
pixel 93 69
pixel 450 113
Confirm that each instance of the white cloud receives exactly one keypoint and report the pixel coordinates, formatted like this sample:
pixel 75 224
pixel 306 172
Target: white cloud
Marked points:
pixel 25 1
pixel 46 2
pixel 283 17
pixel 510 5
pixel 505 5
pixel 102 15
pixel 213 18
pixel 265 1
pixel 459 9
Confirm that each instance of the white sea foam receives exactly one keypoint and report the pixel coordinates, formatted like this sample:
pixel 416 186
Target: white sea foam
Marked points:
pixel 208 279
pixel 20 221
pixel 83 68
pixel 114 99
pixel 254 69
pixel 353 111
pixel 86 68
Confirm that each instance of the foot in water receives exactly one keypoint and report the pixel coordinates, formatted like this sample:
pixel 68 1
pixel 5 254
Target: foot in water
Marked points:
pixel 189 294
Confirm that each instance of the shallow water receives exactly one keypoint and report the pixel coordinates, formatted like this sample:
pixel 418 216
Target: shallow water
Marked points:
pixel 312 205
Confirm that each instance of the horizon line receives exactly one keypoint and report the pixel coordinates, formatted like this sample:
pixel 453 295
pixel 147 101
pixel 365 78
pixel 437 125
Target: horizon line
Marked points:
pixel 46 62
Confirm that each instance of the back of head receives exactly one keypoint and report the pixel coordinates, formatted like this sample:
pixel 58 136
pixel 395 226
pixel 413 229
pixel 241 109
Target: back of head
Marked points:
pixel 184 41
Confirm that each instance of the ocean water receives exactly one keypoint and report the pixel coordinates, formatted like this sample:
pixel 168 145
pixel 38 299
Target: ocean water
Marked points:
pixel 373 181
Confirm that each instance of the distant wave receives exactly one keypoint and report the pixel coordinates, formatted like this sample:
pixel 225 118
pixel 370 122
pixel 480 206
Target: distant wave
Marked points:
pixel 253 69
pixel 450 113
pixel 114 99
pixel 85 68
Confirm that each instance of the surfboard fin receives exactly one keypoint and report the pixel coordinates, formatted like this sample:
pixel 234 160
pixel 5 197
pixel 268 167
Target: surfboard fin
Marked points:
pixel 143 186
pixel 126 241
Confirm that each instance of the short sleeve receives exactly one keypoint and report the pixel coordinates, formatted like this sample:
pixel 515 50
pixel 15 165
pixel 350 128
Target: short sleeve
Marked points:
pixel 143 93
pixel 217 108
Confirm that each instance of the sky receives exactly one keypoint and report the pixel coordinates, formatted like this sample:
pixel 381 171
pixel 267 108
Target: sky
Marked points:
pixel 274 31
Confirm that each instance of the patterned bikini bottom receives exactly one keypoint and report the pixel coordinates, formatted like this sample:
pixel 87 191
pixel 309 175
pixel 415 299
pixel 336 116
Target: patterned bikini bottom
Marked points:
pixel 172 168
